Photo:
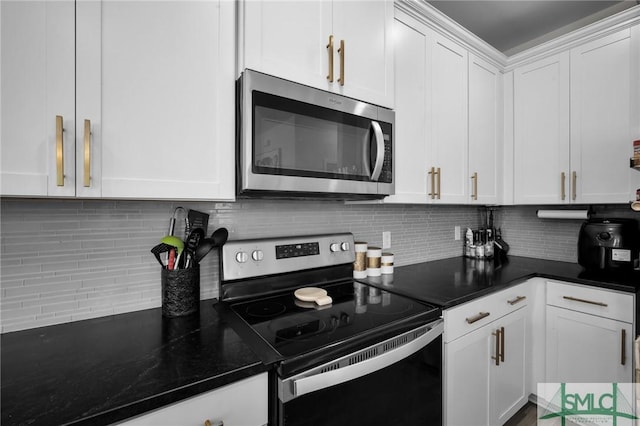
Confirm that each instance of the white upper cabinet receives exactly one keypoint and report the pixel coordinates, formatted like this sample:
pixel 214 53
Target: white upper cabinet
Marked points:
pixel 341 46
pixel 605 117
pixel 541 131
pixel 576 115
pixel 167 96
pixel 412 80
pixel 448 120
pixel 38 103
pixel 485 131
pixel 449 125
pixel 143 91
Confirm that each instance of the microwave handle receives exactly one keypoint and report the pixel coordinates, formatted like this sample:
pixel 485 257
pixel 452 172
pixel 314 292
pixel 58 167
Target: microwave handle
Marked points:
pixel 379 137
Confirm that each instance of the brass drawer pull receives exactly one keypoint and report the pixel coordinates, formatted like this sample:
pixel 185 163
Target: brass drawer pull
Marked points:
pixel 59 151
pixel 498 335
pixel 438 193
pixel 432 174
pixel 478 317
pixel 341 52
pixel 575 299
pixel 87 153
pixel 516 300
pixel 330 51
pixel 563 194
pixel 474 191
pixel 623 349
pixel 574 182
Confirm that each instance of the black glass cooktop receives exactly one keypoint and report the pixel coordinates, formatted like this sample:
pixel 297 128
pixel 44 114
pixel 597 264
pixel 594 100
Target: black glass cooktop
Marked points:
pixel 292 327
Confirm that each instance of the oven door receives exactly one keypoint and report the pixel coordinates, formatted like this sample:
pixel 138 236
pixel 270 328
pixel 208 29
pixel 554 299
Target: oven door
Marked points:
pixel 398 381
pixel 298 140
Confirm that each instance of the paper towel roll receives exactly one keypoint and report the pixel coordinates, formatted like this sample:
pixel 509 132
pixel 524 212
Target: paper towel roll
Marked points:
pixel 563 214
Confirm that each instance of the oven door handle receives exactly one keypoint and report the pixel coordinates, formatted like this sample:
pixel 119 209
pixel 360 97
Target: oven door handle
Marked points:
pixel 303 385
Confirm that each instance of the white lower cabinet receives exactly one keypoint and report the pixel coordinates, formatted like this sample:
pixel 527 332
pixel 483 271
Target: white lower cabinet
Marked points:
pixel 242 403
pixel 486 379
pixel 589 335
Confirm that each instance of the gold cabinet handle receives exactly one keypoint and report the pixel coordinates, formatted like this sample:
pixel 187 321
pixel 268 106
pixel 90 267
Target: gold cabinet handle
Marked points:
pixel 474 194
pixel 623 349
pixel 517 300
pixel 218 423
pixel 439 179
pixel 563 194
pixel 575 299
pixel 574 181
pixel 502 334
pixel 341 52
pixel 59 151
pixel 87 153
pixel 478 317
pixel 497 357
pixel 330 51
pixel 432 174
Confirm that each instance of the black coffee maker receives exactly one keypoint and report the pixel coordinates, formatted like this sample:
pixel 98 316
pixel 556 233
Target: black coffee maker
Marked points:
pixel 609 244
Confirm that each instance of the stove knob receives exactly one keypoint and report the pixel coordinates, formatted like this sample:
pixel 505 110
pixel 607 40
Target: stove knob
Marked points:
pixel 334 247
pixel 345 246
pixel 257 255
pixel 241 257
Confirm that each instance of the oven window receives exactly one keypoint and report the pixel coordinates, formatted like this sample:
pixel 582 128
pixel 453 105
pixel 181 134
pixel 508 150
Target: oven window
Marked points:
pixel 294 138
pixel 408 392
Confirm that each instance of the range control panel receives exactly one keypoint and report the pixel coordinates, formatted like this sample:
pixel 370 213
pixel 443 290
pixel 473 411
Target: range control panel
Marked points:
pixel 267 256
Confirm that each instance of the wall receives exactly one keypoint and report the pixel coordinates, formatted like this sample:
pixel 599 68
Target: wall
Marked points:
pixel 68 260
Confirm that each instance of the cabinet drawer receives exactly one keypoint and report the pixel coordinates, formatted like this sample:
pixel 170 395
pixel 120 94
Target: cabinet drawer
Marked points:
pixel 591 300
pixel 472 315
pixel 242 403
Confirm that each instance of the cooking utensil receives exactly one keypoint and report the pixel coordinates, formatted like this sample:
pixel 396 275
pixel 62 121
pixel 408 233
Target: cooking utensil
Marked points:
pixel 217 239
pixel 193 241
pixel 158 250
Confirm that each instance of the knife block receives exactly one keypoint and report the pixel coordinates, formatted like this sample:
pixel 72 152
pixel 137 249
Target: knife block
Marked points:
pixel 180 291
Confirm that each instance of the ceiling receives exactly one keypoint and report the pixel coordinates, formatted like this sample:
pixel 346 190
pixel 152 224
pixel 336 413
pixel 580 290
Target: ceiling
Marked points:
pixel 512 26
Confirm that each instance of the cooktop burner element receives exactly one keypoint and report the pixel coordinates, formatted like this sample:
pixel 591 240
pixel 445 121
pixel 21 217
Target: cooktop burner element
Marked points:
pixel 266 309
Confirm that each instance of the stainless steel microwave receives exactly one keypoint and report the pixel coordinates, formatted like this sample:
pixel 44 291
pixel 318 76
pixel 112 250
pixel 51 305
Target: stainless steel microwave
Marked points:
pixel 298 141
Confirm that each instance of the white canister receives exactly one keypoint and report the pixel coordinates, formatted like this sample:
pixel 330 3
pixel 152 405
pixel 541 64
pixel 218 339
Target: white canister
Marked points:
pixel 374 255
pixel 360 264
pixel 386 265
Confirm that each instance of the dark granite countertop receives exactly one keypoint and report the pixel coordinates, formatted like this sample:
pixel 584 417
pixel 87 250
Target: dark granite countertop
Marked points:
pixel 449 282
pixel 103 370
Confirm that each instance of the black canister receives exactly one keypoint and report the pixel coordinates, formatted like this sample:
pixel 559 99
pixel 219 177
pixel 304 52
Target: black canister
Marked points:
pixel 180 291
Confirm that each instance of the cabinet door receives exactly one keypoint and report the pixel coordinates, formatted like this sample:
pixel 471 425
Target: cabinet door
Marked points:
pixel 541 132
pixel 37 85
pixel 467 389
pixel 485 131
pixel 167 91
pixel 288 39
pixel 509 379
pixel 411 113
pixel 587 348
pixel 366 28
pixel 603 118
pixel 449 119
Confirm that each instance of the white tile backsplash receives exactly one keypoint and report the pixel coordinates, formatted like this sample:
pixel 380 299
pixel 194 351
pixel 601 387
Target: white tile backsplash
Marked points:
pixel 69 260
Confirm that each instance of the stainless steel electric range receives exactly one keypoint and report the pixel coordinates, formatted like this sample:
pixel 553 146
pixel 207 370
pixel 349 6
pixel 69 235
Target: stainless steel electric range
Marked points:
pixel 363 357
